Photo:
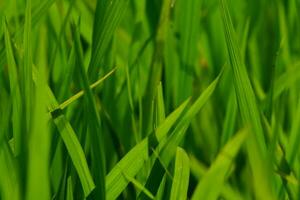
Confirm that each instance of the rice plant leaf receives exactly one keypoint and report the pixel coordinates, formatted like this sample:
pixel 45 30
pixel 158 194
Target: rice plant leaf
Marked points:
pixel 26 72
pixel 81 92
pixel 70 140
pixel 248 110
pixel 98 154
pixel 198 169
pixel 1 25
pixel 230 118
pixel 9 180
pixel 37 14
pixel 40 10
pixel 139 186
pixel 69 189
pixel 131 105
pixel 39 142
pixel 160 106
pixel 286 80
pixel 76 152
pixel 156 63
pixel 134 160
pixel 219 169
pixel 244 92
pixel 62 122
pixel 15 92
pixel 181 175
pixel 188 16
pixel 108 15
pixel 167 148
pixel 294 139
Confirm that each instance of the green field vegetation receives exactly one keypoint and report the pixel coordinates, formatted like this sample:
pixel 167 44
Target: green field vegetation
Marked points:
pixel 149 99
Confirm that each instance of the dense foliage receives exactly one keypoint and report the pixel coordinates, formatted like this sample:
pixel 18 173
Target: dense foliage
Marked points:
pixel 149 99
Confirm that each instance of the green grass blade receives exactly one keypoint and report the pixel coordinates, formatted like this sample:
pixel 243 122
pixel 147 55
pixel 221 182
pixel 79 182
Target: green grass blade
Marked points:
pixel 136 133
pixel 139 186
pixel 76 153
pixel 70 140
pixel 1 25
pixel 230 119
pixel 168 147
pixel 198 169
pixel 294 140
pixel 188 16
pixel 37 14
pixel 101 109
pixel 130 164
pixel 39 142
pixel 248 109
pixel 9 183
pixel 69 189
pixel 79 94
pixel 156 67
pixel 286 80
pixel 40 10
pixel 108 15
pixel 218 171
pixel 244 92
pixel 134 160
pixel 160 106
pixel 181 175
pixel 26 72
pixel 98 154
pixel 15 92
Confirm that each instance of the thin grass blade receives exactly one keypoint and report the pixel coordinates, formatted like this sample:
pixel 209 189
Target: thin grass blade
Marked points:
pixel 94 124
pixel 15 92
pixel 181 175
pixel 134 160
pixel 218 171
pixel 167 148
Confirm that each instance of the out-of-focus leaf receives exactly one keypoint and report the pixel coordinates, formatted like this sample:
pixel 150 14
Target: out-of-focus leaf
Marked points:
pixel 213 180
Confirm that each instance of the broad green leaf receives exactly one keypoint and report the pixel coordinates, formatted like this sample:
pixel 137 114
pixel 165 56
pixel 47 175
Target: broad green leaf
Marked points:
pixel 181 175
pixel 213 180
